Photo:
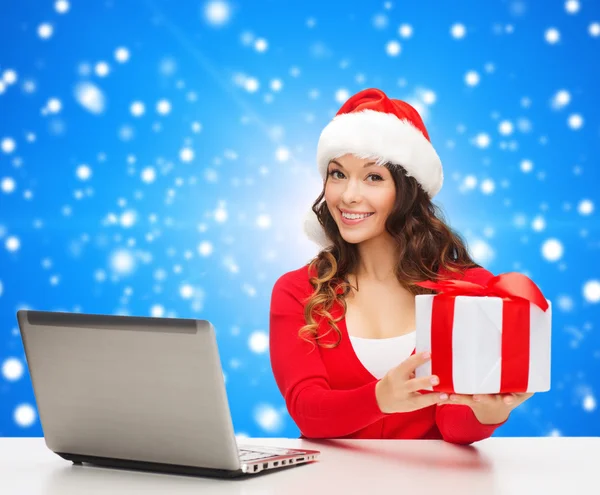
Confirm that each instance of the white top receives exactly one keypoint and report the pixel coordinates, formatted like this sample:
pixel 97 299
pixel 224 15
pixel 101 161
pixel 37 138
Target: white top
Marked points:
pixel 379 356
pixel 498 466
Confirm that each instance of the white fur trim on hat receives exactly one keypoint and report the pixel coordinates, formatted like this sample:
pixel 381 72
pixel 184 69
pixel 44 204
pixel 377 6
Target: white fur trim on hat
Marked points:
pixel 385 137
pixel 314 231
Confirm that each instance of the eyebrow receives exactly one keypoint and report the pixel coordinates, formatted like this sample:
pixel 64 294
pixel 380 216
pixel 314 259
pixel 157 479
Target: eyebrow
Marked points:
pixel 369 164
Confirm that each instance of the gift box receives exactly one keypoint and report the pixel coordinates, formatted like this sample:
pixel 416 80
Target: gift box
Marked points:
pixel 485 339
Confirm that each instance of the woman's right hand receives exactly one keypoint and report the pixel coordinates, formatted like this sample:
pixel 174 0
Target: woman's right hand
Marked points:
pixel 398 392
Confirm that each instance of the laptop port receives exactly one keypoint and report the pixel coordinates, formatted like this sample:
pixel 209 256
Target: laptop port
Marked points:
pixel 255 467
pixel 282 462
pixel 276 463
pixel 300 459
pixel 265 465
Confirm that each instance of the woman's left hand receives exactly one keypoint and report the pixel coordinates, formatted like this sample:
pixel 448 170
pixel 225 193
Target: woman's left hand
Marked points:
pixel 490 409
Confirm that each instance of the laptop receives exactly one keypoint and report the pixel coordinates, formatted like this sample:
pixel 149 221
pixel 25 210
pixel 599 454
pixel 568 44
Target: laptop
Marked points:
pixel 138 393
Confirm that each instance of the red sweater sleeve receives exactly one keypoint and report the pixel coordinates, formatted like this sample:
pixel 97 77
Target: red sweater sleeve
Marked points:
pixel 318 411
pixel 457 422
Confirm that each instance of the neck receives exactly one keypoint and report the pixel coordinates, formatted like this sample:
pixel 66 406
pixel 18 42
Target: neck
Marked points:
pixel 378 259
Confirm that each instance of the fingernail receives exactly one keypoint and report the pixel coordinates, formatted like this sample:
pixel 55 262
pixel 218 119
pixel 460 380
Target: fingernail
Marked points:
pixel 453 397
pixel 426 355
pixel 443 396
pixel 476 398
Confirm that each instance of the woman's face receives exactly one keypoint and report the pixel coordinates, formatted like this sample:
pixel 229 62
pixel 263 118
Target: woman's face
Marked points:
pixel 359 186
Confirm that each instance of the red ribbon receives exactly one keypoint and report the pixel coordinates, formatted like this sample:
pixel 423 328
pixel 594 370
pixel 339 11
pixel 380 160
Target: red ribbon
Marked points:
pixel 518 292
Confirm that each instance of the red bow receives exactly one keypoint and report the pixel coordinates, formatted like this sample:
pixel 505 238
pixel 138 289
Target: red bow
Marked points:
pixel 510 285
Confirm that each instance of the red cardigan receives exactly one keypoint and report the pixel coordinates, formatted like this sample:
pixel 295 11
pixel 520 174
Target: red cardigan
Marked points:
pixel 330 394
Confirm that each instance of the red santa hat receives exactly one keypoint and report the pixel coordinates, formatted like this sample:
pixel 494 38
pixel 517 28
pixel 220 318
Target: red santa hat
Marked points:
pixel 371 125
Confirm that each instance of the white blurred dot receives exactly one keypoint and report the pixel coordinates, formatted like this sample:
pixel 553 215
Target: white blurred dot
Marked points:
pixel 276 84
pixel 8 145
pixel 552 35
pixel 54 105
pixel 45 30
pixel 24 415
pixel 487 186
pixel 137 109
pixel 251 84
pixel 268 418
pixel 575 121
pixel 261 45
pixel 585 207
pixel 9 77
pixel 122 261
pixel 217 12
pixel 205 248
pixel 102 69
pixel 594 29
pixel 12 243
pixel 472 78
pixel 157 311
pixel 186 291
pixel 90 97
pixel 263 221
pixel 591 291
pixel 282 154
pixel 12 369
pixel 341 95
pixel 538 224
pixel 100 275
pixel 196 127
pixel 186 155
pixel 128 218
pixel 121 55
pixel 405 31
pixel 589 403
pixel 380 21
pixel 458 31
pixel 552 250
pixel 83 172
pixel 258 342
pixel 505 128
pixel 572 6
pixel 481 251
pixel 8 185
pixel 561 99
pixel 61 6
pixel 470 182
pixel 526 166
pixel 393 48
pixel 163 107
pixel 565 303
pixel 482 140
pixel 220 215
pixel 428 97
pixel 148 175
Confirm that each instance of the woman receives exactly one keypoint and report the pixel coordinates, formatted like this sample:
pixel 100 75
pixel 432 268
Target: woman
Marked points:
pixel 342 333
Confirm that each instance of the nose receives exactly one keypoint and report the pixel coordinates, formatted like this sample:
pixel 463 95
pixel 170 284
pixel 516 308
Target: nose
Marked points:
pixel 352 192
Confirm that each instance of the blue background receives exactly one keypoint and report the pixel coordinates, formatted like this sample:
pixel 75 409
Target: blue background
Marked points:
pixel 210 234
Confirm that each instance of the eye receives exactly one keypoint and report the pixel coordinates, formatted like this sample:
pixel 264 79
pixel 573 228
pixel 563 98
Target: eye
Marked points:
pixel 377 176
pixel 333 172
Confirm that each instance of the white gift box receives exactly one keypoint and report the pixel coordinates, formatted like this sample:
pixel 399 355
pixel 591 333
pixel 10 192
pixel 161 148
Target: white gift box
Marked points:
pixel 477 344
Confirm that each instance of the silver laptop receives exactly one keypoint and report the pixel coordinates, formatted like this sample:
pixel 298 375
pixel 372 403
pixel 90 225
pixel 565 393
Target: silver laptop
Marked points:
pixel 138 393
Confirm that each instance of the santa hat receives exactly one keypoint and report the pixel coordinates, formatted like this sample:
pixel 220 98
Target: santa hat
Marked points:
pixel 371 125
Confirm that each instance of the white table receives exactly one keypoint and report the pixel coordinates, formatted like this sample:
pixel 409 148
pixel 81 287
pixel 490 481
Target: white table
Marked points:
pixel 496 466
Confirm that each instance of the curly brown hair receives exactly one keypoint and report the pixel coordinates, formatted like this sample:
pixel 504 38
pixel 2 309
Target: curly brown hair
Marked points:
pixel 426 246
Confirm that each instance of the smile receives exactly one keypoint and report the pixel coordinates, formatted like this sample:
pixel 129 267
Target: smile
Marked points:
pixel 353 218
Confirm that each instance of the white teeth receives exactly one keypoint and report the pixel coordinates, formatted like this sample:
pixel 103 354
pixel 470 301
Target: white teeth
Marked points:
pixel 353 216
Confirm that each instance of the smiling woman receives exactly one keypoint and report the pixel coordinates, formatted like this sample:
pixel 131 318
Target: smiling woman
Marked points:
pixel 375 223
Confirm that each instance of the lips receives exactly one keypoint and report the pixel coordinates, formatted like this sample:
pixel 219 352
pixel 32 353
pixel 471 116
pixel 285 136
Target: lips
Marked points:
pixel 355 221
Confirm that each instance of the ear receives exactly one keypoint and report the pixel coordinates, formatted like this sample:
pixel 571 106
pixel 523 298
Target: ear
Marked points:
pixel 314 231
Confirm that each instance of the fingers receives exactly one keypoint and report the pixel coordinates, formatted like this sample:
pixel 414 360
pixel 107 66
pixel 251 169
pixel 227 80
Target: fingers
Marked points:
pixel 429 399
pixel 423 383
pixel 413 362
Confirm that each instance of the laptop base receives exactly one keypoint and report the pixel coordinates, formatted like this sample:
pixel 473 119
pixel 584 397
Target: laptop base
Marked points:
pixel 79 459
